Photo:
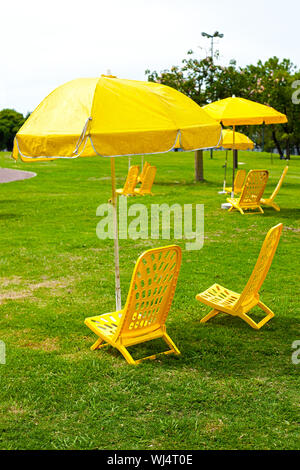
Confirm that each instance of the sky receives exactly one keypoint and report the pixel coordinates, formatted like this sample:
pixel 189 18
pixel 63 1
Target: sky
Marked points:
pixel 47 43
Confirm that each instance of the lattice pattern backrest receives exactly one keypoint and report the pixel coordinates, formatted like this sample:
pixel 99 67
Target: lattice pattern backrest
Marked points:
pixel 131 179
pixel 151 291
pixel 254 186
pixel 149 179
pixel 279 182
pixel 263 264
pixel 143 173
pixel 239 179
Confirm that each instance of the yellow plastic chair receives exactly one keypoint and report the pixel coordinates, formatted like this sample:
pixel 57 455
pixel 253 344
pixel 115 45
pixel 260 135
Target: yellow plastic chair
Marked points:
pixel 270 201
pixel 226 301
pixel 147 183
pixel 130 183
pixel 252 192
pixel 239 181
pixel 148 303
pixel 141 177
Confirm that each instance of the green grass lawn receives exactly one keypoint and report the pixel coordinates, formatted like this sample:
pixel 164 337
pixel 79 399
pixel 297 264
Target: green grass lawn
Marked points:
pixel 232 387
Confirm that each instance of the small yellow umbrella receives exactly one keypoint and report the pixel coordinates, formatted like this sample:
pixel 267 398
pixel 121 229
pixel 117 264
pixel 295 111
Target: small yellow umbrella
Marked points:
pixel 112 117
pixel 242 142
pixel 239 111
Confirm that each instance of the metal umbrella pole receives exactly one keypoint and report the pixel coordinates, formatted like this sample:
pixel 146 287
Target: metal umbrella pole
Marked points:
pixel 225 173
pixel 114 202
pixel 233 149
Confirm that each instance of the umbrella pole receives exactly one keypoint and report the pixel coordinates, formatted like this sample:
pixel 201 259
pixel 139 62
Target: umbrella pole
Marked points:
pixel 116 237
pixel 233 148
pixel 225 174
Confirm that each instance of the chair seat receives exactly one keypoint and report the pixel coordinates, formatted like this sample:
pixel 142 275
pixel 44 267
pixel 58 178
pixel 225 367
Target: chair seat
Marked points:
pixel 233 200
pixel 121 192
pixel 236 191
pixel 218 296
pixel 105 325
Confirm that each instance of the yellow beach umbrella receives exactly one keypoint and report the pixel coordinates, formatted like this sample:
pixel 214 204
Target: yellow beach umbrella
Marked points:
pixel 113 117
pixel 239 111
pixel 241 142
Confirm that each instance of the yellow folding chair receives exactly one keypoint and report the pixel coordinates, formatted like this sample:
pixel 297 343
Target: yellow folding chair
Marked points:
pixel 148 303
pixel 252 192
pixel 270 201
pixel 147 182
pixel 130 183
pixel 143 172
pixel 239 181
pixel 226 301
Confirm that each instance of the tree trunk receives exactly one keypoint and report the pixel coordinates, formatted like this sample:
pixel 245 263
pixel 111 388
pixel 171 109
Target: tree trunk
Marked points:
pixel 277 144
pixel 199 165
pixel 297 148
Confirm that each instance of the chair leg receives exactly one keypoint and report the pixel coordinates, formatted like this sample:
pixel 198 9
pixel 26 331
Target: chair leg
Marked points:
pixel 127 355
pixel 249 320
pixel 210 315
pixel 268 311
pixel 275 206
pixel 98 345
pixel 261 209
pixel 252 323
pixel 171 343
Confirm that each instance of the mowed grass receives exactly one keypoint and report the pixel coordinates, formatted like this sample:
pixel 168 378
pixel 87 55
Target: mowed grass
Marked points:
pixel 232 387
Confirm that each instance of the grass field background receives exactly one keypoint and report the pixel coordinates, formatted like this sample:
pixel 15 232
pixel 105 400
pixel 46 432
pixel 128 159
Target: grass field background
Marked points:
pixel 232 387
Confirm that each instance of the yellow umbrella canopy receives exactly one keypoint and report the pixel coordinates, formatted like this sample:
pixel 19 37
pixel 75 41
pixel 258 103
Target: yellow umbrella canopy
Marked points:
pixel 242 142
pixel 239 111
pixel 108 116
pixel 112 117
pixel 236 111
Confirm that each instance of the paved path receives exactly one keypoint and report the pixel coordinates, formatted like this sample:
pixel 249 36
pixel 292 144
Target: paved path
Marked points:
pixel 7 175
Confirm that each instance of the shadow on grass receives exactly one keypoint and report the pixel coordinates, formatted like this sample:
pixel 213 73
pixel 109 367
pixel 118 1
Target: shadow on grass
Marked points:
pixel 225 347
pixel 283 213
pixel 9 216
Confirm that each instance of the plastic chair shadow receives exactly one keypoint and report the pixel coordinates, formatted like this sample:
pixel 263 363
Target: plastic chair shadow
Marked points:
pixel 270 201
pixel 148 303
pixel 239 181
pixel 226 301
pixel 130 183
pixel 252 192
pixel 147 182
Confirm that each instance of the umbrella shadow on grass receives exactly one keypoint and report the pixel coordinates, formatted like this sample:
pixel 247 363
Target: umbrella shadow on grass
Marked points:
pixel 224 347
pixel 284 213
pixel 227 346
pixel 8 216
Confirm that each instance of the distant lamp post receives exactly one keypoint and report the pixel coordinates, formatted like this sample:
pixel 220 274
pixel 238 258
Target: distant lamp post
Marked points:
pixel 212 38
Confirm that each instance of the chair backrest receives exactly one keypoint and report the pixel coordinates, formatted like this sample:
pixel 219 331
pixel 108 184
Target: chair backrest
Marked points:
pixel 147 182
pixel 239 180
pixel 151 291
pixel 261 267
pixel 254 187
pixel 143 172
pixel 276 190
pixel 131 180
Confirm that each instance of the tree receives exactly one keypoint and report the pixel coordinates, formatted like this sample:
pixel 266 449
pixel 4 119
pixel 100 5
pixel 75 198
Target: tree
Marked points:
pixel 10 123
pixel 269 83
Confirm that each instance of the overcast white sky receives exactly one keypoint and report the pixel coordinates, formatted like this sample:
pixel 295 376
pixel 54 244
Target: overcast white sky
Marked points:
pixel 48 42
